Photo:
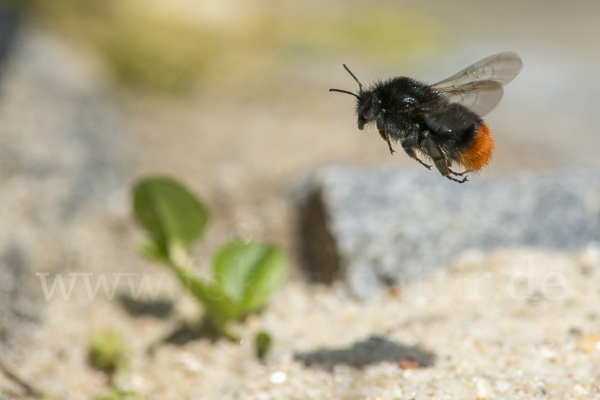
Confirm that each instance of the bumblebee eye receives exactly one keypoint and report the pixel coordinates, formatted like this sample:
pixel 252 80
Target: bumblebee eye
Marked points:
pixel 366 110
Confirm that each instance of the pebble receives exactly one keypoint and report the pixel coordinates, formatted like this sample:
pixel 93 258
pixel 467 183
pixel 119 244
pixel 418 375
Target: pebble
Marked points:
pixel 484 390
pixel 278 377
pixel 589 343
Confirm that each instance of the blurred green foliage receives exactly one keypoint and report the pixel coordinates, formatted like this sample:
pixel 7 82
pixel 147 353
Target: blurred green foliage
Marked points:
pixel 144 51
pixel 263 343
pixel 107 351
pixel 170 214
pixel 170 52
pixel 378 32
pixel 249 273
pixel 167 57
pixel 245 275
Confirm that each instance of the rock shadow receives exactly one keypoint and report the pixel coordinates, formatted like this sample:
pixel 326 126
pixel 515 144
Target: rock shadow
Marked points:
pixel 374 350
pixel 158 308
pixel 185 332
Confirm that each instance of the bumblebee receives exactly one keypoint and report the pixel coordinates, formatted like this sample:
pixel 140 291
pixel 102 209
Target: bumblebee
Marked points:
pixel 442 122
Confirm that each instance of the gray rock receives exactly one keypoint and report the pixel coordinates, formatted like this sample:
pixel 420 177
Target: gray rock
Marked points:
pixel 62 148
pixel 374 228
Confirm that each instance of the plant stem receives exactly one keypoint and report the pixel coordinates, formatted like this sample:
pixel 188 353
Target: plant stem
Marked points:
pixel 180 263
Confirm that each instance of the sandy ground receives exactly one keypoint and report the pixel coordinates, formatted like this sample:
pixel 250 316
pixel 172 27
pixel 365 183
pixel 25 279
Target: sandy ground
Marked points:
pixel 507 325
pixel 518 324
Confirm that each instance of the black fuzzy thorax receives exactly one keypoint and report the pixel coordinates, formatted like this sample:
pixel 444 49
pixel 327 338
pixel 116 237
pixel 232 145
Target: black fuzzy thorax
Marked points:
pixel 404 105
pixel 399 96
pixel 396 91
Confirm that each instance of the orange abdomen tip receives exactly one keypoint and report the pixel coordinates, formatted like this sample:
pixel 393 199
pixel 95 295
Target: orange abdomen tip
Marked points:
pixel 479 154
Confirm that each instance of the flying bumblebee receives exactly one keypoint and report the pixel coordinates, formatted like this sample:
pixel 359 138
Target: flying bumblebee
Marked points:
pixel 443 122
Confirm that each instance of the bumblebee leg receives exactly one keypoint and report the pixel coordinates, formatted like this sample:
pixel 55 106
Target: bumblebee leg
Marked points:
pixel 387 139
pixel 385 136
pixel 442 166
pixel 422 163
pixel 460 173
pixel 417 158
pixel 439 160
pixel 411 153
pixel 463 180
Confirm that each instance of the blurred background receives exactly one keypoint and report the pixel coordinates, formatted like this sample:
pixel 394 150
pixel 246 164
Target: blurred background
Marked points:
pixel 231 96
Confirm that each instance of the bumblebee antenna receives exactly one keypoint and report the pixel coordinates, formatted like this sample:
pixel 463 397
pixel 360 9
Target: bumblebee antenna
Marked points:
pixel 355 78
pixel 345 91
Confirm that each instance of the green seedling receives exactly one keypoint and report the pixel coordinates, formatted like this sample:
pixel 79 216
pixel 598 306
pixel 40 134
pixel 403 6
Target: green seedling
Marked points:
pixel 245 275
pixel 263 342
pixel 172 216
pixel 107 351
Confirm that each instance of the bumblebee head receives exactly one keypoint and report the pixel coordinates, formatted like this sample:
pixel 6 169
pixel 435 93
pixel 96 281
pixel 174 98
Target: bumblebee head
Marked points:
pixel 368 106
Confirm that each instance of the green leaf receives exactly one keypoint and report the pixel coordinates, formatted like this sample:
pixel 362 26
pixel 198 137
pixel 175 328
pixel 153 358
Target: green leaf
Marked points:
pixel 169 213
pixel 263 342
pixel 249 273
pixel 218 305
pixel 153 251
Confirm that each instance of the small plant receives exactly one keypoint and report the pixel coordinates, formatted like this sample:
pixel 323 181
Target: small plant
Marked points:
pixel 263 342
pixel 245 275
pixel 107 352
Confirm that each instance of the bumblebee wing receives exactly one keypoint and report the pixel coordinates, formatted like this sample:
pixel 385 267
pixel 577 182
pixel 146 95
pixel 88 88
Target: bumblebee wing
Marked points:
pixel 479 86
pixel 501 68
pixel 479 97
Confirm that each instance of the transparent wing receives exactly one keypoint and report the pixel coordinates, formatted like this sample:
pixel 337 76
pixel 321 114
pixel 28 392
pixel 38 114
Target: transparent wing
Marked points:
pixel 479 97
pixel 479 86
pixel 501 68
